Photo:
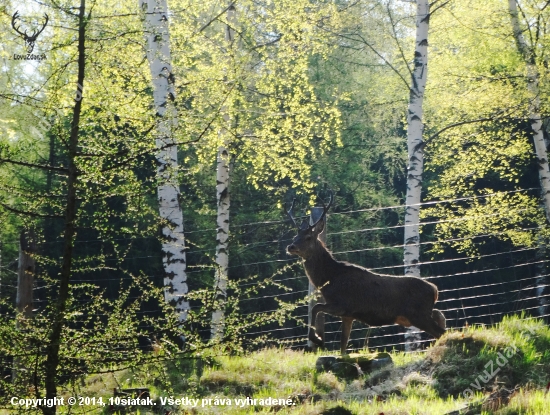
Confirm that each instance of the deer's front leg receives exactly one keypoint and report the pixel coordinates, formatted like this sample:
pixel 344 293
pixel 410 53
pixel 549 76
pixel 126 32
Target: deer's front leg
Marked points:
pixel 313 337
pixel 331 309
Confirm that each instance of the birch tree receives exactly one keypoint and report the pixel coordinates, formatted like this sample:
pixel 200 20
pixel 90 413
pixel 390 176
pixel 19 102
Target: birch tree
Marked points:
pixel 99 192
pixel 476 148
pixel 223 197
pixel 253 105
pixel 173 245
pixel 415 142
pixel 91 192
pixel 529 55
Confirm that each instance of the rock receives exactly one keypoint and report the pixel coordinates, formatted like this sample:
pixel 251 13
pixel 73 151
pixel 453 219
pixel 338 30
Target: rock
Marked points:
pixel 352 365
pixel 324 363
pixel 378 363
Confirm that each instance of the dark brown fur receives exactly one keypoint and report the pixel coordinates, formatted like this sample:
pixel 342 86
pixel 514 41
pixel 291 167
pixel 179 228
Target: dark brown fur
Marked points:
pixel 355 293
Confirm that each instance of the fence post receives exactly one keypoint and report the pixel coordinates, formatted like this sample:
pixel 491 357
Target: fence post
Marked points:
pixel 316 213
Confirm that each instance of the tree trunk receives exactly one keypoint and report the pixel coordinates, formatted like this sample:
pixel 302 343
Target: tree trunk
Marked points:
pixel 223 197
pixel 54 338
pixel 25 273
pixel 173 244
pixel 529 56
pixel 415 144
pixel 222 236
pixel 24 298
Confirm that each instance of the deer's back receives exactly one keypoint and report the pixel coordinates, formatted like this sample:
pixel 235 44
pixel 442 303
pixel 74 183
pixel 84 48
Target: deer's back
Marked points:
pixel 377 299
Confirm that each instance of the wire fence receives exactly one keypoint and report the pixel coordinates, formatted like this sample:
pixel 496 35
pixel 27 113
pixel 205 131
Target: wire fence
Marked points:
pixel 498 274
pixel 501 277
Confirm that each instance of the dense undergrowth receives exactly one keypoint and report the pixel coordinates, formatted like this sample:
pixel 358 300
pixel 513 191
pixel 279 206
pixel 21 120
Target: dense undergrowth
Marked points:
pixel 501 370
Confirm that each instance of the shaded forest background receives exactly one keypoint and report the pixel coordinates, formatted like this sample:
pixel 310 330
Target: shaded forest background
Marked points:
pixel 311 96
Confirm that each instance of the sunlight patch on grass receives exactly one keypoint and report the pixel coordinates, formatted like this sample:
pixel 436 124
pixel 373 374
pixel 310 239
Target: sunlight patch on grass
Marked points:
pixel 526 403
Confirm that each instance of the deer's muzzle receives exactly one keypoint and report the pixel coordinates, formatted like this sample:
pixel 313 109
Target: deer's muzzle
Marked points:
pixel 291 249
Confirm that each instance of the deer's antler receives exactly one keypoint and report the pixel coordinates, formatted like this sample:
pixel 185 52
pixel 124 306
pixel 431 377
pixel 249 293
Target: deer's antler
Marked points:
pixel 325 209
pixel 291 214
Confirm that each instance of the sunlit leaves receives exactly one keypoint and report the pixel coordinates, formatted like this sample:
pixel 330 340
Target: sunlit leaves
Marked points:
pixel 479 140
pixel 512 217
pixel 261 82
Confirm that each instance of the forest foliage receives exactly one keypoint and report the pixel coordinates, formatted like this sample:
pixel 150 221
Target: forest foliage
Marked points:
pixel 316 93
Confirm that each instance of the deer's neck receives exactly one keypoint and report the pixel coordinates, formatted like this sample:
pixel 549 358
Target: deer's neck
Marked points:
pixel 319 266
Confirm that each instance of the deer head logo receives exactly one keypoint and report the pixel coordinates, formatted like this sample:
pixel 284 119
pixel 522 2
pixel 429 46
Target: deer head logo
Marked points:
pixel 29 39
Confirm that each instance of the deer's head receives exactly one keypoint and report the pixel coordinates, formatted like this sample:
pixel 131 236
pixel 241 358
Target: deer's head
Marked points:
pixel 306 243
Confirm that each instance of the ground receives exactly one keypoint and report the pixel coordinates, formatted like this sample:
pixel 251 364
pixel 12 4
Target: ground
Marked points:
pixel 503 370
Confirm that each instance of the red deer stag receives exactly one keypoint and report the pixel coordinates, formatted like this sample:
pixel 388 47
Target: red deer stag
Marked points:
pixel 352 292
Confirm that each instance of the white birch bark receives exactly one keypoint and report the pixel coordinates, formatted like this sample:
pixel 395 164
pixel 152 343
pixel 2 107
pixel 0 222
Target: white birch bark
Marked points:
pixel 223 198
pixel 415 144
pixel 222 236
pixel 528 55
pixel 173 244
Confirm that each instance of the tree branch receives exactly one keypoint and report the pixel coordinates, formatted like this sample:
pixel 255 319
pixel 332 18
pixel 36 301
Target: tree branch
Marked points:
pixel 36 166
pixel 362 40
pixel 26 213
pixel 232 4
pixel 458 124
pixel 438 7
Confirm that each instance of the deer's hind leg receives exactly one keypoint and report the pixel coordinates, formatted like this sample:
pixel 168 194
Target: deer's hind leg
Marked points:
pixel 439 318
pixel 429 325
pixel 347 322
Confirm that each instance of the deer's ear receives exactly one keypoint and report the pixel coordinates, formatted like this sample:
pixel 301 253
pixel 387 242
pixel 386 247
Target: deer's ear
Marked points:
pixel 319 226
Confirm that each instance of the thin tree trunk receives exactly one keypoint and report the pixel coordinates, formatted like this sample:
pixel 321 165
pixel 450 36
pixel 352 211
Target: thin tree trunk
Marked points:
pixel 173 244
pixel 529 56
pixel 24 298
pixel 25 273
pixel 223 176
pixel 54 338
pixel 415 144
